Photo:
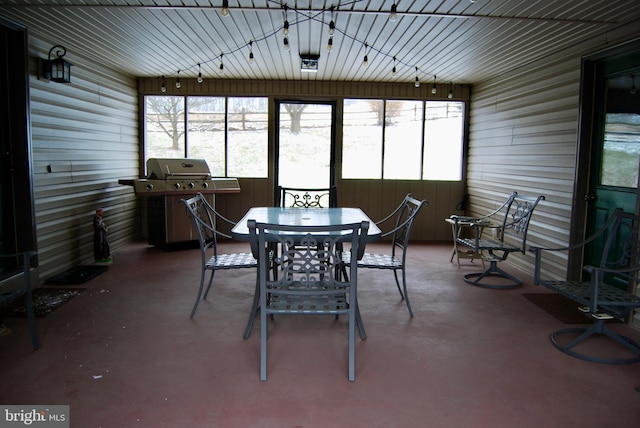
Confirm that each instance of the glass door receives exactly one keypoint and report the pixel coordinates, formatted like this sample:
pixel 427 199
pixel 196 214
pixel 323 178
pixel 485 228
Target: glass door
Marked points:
pixel 305 144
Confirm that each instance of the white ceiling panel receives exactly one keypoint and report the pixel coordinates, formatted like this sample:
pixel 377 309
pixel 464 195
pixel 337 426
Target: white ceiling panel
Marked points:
pixel 464 41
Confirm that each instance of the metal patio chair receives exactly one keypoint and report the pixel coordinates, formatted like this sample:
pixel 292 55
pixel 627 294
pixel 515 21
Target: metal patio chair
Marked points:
pixel 308 284
pixel 306 198
pixel 204 218
pixel 510 225
pixel 404 216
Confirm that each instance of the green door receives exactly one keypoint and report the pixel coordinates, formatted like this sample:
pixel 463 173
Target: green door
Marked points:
pixel 615 161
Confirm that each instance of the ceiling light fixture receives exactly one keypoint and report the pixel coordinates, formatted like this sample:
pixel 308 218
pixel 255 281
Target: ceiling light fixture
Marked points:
pixel 309 63
pixel 57 69
pixel 225 8
pixel 393 15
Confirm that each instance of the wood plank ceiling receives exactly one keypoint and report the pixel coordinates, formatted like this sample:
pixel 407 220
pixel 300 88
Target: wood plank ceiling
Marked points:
pixel 459 41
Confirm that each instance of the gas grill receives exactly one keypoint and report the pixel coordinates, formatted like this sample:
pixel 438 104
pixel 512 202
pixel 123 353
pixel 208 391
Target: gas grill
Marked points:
pixel 181 177
pixel 168 181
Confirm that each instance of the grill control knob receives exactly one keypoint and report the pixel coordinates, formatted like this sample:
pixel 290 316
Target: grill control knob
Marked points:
pixel 149 186
pixel 205 185
pixel 191 185
pixel 176 186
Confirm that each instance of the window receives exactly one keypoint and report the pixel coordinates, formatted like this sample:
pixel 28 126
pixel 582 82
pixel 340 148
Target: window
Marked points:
pixel 229 133
pixel 410 140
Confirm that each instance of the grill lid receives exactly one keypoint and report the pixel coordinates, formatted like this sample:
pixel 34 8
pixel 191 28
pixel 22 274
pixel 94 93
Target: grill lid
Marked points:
pixel 176 168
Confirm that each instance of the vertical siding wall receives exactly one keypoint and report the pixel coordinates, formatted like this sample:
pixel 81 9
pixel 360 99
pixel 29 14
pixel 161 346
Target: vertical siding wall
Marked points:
pixel 523 137
pixel 84 138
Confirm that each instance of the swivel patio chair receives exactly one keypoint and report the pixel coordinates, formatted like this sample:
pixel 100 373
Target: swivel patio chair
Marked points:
pixel 308 284
pixel 404 215
pixel 204 218
pixel 606 292
pixel 510 225
pixel 23 259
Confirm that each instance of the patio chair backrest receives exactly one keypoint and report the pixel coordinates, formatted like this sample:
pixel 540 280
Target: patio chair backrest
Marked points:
pixel 291 197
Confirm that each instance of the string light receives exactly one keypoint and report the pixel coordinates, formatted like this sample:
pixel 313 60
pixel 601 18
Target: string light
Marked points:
pixel 393 15
pixel 332 28
pixel 163 88
pixel 178 84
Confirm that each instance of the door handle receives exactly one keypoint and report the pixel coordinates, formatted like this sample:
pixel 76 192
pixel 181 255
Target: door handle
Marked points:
pixel 590 197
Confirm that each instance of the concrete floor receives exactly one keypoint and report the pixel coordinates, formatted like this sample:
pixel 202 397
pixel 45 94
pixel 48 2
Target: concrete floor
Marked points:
pixel 125 354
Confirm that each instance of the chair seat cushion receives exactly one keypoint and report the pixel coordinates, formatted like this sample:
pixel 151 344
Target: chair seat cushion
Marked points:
pixel 375 261
pixel 232 261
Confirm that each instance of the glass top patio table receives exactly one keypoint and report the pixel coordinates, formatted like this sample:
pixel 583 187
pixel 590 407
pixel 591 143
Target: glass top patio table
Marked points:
pixel 304 217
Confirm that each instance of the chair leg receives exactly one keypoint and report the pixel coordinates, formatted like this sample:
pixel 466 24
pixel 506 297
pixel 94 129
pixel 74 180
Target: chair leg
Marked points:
pixel 395 274
pixel 32 321
pixel 352 345
pixel 406 294
pixel 206 293
pixel 363 334
pixel 598 327
pixel 263 346
pixel 255 307
pixel 493 271
pixel 202 277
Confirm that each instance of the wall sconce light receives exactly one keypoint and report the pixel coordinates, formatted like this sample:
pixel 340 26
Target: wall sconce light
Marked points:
pixel 57 69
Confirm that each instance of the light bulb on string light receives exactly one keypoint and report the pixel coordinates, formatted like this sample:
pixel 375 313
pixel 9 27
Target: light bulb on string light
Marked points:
pixel 450 94
pixel 434 89
pixel 330 44
pixel 221 64
pixel 163 88
pixel 417 83
pixel 225 8
pixel 178 84
pixel 251 58
pixel 393 15
pixel 200 79
pixel 394 72
pixel 285 28
pixel 365 60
